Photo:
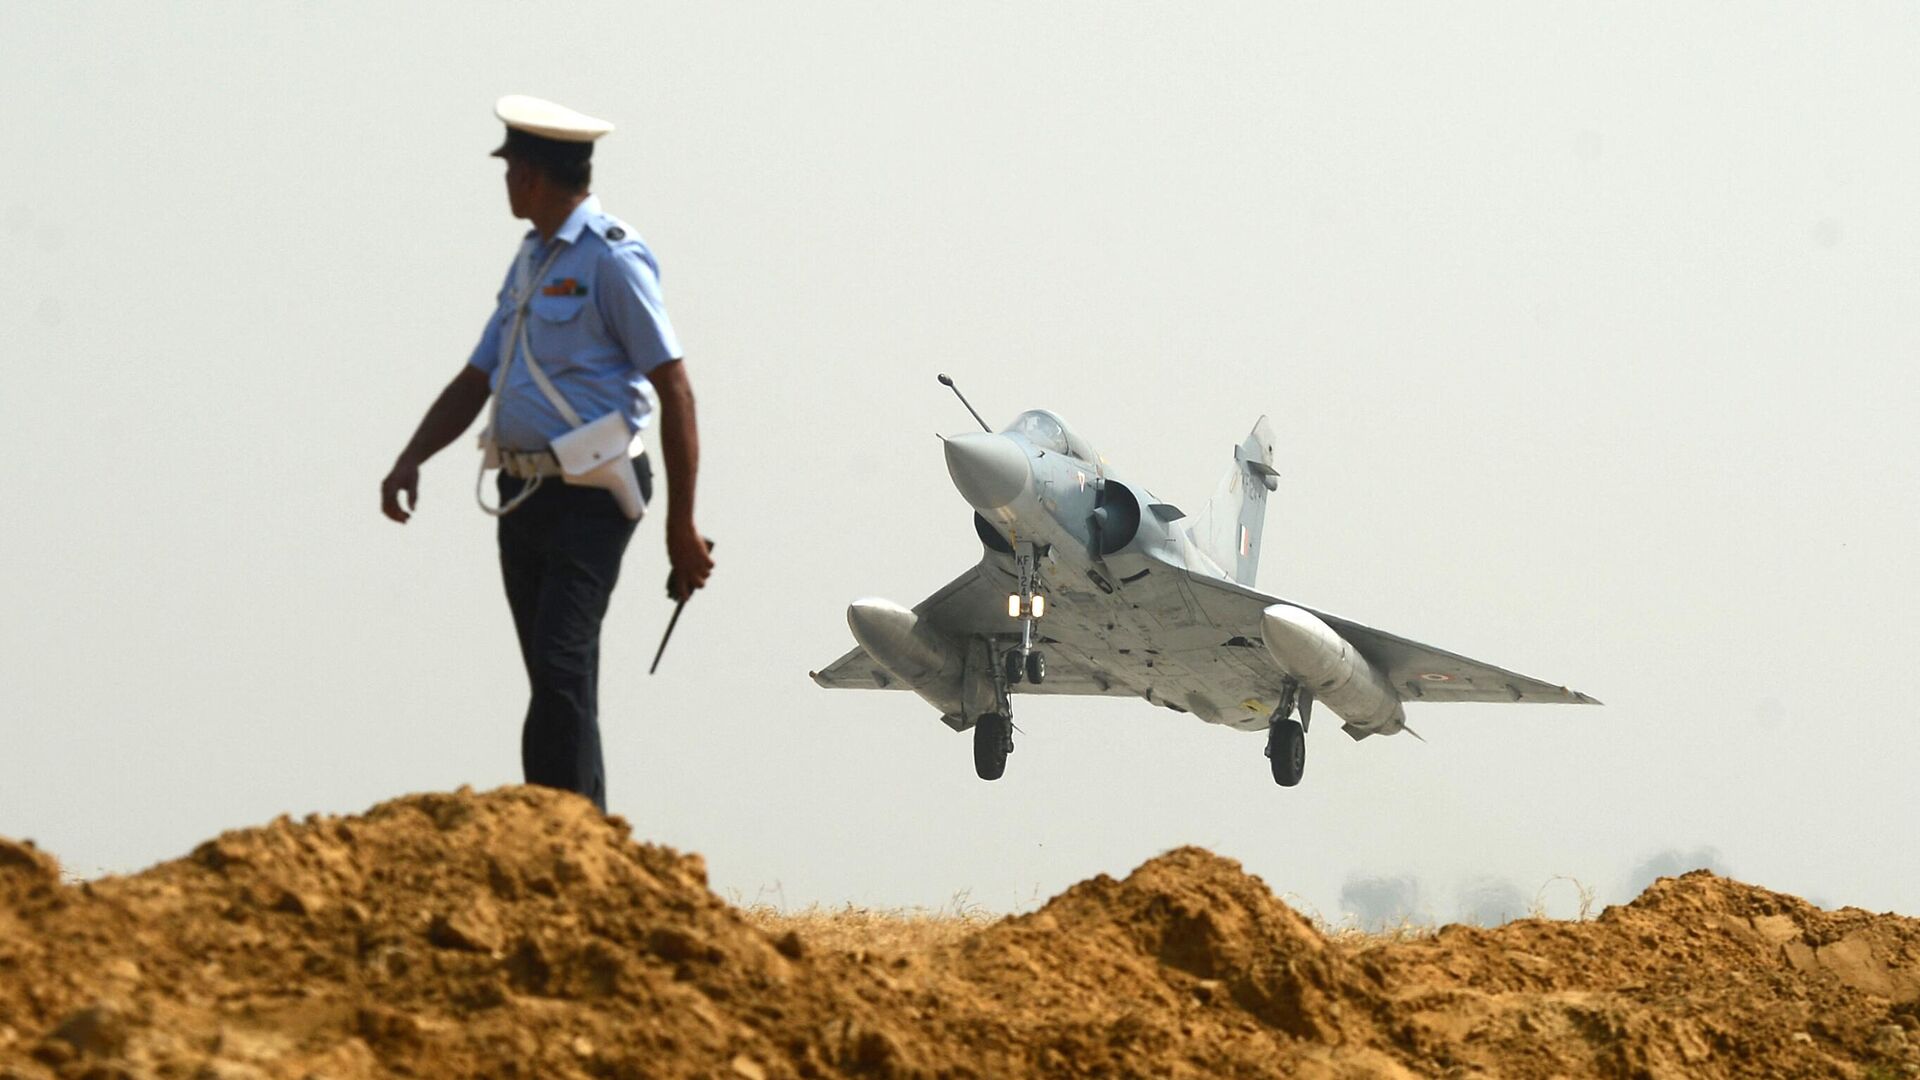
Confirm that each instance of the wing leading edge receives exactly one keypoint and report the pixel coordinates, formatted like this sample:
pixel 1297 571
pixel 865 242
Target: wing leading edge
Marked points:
pixel 1417 672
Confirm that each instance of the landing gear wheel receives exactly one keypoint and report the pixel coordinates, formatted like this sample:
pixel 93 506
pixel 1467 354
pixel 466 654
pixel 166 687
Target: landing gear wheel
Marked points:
pixel 1036 668
pixel 992 741
pixel 1015 668
pixel 1287 751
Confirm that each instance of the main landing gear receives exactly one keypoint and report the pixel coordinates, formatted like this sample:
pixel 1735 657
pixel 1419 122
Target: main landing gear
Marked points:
pixel 993 732
pixel 1287 735
pixel 992 742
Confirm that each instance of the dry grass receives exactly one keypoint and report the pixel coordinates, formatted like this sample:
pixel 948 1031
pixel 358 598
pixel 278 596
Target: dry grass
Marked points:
pixel 1357 938
pixel 907 931
pixel 1351 935
pixel 892 931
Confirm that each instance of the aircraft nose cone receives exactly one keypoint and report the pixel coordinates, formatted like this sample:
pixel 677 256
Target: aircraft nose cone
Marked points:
pixel 990 470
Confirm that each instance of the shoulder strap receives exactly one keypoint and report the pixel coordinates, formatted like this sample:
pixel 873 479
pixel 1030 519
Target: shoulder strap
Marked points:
pixel 515 342
pixel 547 389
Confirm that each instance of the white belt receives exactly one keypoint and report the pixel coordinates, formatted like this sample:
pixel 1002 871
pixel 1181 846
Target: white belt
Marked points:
pixel 527 464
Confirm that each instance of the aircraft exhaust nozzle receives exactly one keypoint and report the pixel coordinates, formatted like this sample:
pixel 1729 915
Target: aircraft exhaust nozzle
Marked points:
pixel 991 471
pixel 914 652
pixel 1332 669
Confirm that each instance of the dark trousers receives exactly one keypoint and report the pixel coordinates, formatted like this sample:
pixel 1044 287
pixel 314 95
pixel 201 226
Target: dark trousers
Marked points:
pixel 560 558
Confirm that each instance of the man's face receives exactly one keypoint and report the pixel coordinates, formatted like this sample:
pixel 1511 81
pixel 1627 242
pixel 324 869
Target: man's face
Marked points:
pixel 522 178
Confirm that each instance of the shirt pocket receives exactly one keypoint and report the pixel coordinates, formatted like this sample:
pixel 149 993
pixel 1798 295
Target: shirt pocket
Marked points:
pixel 558 330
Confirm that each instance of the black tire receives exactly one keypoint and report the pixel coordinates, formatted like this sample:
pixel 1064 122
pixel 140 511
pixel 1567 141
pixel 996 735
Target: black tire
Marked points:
pixel 1036 667
pixel 1015 669
pixel 1287 752
pixel 992 739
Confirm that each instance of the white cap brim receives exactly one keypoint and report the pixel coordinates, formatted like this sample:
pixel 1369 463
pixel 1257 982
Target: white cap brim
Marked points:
pixel 537 116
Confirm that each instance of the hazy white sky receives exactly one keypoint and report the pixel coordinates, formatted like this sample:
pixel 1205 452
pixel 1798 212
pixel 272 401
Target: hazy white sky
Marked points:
pixel 1590 337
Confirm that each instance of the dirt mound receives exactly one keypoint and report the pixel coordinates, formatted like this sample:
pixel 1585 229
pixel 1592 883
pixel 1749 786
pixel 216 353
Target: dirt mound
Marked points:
pixel 1700 976
pixel 519 933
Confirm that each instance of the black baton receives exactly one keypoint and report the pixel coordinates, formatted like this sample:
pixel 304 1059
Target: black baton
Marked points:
pixel 675 621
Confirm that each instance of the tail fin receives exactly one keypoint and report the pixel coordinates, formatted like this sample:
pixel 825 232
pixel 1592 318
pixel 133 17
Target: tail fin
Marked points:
pixel 1229 526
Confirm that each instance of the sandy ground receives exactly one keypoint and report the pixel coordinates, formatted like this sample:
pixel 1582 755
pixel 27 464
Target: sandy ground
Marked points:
pixel 517 933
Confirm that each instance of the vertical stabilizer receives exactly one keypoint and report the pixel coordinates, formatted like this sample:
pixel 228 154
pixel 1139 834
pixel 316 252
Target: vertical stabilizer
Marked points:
pixel 1229 526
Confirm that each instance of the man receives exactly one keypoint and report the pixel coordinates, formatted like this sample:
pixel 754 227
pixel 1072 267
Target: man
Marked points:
pixel 578 334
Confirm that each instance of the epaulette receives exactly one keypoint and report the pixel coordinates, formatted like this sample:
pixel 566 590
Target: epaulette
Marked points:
pixel 608 228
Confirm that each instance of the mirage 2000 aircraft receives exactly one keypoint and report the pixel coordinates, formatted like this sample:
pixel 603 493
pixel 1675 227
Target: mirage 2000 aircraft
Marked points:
pixel 1089 584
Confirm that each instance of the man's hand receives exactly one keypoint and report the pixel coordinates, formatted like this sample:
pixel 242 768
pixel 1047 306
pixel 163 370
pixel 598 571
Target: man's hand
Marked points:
pixel 692 563
pixel 680 443
pixel 449 415
pixel 404 477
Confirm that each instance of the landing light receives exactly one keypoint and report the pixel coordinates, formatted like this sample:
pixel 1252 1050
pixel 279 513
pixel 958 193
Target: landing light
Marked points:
pixel 1013 605
pixel 1039 606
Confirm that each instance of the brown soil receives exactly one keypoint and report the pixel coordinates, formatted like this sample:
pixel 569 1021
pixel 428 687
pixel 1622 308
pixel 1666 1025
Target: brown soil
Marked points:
pixel 519 934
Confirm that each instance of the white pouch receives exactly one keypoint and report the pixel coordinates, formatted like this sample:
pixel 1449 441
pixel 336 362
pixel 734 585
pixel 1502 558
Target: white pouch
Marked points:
pixel 595 455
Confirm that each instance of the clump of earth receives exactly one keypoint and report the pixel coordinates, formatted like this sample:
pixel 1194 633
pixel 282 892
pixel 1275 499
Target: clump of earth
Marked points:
pixel 518 933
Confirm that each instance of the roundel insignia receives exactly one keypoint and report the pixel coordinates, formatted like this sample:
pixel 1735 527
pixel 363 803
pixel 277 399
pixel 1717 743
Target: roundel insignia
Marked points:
pixel 616 233
pixel 1434 676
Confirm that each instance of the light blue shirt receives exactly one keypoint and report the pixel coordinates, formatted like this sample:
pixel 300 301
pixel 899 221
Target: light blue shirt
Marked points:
pixel 596 323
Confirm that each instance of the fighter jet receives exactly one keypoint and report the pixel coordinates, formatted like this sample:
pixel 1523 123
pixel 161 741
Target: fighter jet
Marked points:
pixel 1090 584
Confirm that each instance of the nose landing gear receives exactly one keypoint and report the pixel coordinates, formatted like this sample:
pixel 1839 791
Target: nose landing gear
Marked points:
pixel 1028 605
pixel 1033 667
pixel 993 732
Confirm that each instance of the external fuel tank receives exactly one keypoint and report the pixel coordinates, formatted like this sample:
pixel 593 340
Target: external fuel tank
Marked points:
pixel 1333 670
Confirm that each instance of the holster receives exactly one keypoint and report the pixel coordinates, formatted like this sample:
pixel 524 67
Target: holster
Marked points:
pixel 595 455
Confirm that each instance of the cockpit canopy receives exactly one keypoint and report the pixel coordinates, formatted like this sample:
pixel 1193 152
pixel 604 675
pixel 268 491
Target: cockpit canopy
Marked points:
pixel 1050 433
